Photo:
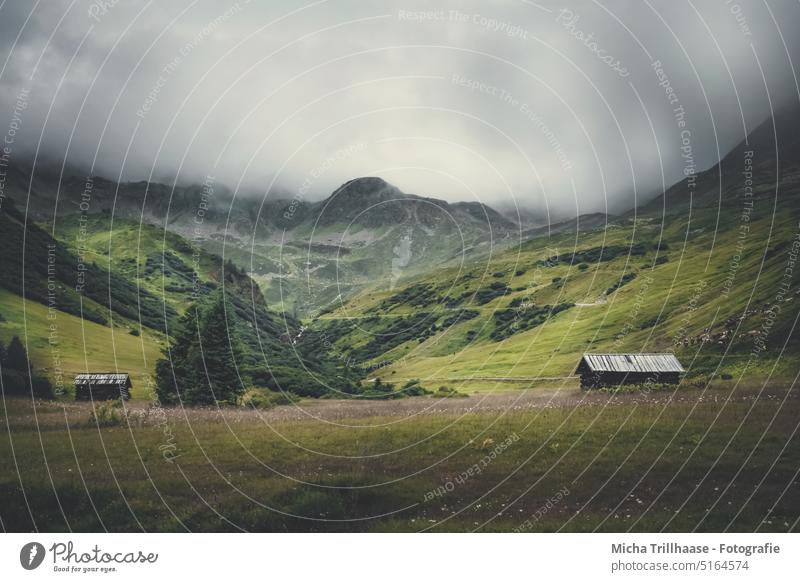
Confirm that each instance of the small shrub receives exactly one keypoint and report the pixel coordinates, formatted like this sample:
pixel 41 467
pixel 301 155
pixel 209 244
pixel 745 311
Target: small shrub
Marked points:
pixel 20 383
pixel 583 267
pixel 414 388
pixel 264 399
pixel 380 390
pixel 494 290
pixel 624 280
pixel 447 392
pixel 652 322
pixel 463 315
pixel 106 414
pixel 644 388
pixel 42 388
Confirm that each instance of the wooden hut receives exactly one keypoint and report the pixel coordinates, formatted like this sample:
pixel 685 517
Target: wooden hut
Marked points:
pixel 599 370
pixel 106 386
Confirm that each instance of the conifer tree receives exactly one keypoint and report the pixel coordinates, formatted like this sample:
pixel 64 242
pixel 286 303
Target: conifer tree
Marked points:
pixel 16 357
pixel 18 376
pixel 174 378
pixel 219 354
pixel 201 366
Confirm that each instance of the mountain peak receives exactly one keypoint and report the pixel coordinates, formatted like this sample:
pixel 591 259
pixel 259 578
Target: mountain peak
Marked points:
pixel 366 182
pixel 365 188
pixel 357 196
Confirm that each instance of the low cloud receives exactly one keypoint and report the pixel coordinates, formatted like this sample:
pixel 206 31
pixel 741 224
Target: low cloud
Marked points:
pixel 563 108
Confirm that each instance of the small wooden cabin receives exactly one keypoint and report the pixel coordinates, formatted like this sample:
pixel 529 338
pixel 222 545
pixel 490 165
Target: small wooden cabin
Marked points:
pixel 102 386
pixel 599 370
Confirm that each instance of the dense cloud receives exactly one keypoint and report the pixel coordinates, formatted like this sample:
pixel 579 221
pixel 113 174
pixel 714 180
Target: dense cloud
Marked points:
pixel 567 109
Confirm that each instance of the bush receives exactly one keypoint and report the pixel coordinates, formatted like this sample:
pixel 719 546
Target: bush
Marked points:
pixel 652 322
pixel 595 255
pixel 395 332
pixel 414 388
pixel 447 392
pixel 18 375
pixel 463 315
pixel 264 399
pixel 380 390
pixel 624 280
pixel 511 321
pixel 494 290
pixel 42 388
pixel 14 382
pixel 416 295
pixel 108 413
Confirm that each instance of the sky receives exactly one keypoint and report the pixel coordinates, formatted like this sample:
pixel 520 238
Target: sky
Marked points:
pixel 563 108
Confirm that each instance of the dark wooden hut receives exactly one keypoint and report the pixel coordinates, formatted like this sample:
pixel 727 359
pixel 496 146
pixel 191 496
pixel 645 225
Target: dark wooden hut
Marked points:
pixel 599 370
pixel 102 386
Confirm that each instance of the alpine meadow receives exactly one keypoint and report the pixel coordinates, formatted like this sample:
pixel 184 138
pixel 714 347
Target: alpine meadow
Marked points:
pixel 348 267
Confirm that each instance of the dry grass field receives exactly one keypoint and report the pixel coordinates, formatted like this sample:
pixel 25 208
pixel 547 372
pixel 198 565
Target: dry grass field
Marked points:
pixel 714 458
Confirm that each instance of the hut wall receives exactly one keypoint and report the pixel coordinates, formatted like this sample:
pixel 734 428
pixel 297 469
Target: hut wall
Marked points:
pixel 599 379
pixel 101 392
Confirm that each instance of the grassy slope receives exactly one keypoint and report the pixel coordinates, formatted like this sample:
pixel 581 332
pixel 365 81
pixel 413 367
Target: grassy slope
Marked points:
pixel 163 265
pixel 79 345
pixel 681 297
pixel 124 247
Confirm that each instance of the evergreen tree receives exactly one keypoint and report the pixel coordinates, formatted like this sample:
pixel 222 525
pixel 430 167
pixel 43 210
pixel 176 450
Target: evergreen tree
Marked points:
pixel 218 355
pixel 16 357
pixel 174 375
pixel 18 376
pixel 201 365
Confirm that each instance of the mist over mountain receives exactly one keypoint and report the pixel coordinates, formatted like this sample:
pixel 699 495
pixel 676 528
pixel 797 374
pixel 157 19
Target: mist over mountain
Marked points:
pixel 446 103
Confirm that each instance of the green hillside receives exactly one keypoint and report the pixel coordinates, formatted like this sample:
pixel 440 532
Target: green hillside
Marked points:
pixel 62 346
pixel 304 255
pixel 138 280
pixel 42 269
pixel 707 271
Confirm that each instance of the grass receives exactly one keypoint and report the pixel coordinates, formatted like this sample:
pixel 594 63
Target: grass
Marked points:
pixel 124 248
pixel 723 458
pixel 79 345
pixel 655 305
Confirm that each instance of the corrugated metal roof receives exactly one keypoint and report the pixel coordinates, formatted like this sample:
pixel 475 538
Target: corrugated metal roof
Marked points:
pixel 101 379
pixel 633 363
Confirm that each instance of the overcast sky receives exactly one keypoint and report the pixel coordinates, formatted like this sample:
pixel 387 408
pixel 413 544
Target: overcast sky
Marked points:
pixel 554 105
